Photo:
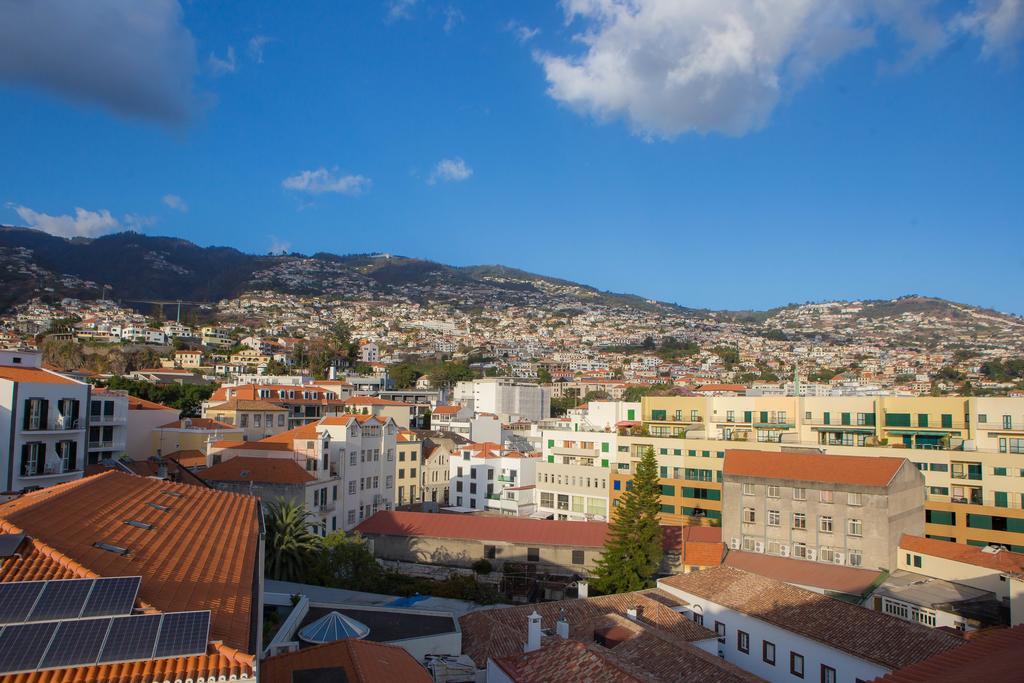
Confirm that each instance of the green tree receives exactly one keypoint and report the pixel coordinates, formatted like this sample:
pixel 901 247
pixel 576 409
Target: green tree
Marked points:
pixel 276 367
pixel 291 546
pixel 404 375
pixel 632 551
pixel 345 561
pixel 544 376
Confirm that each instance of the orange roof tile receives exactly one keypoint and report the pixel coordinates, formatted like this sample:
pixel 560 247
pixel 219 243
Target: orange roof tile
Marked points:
pixel 264 470
pixel 220 663
pixel 199 423
pixel 832 469
pixel 508 529
pixel 306 431
pixel 136 403
pixel 831 577
pixel 252 445
pixel 990 655
pixel 33 375
pixel 1002 561
pixel 363 661
pixel 201 553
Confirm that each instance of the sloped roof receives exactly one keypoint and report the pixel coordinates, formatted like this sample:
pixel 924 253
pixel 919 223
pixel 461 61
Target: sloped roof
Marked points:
pixel 136 403
pixel 247 404
pixel 200 554
pixel 34 375
pixel 829 469
pixel 362 661
pixel 199 423
pixel 1002 561
pixel 864 633
pixel 989 655
pixel 374 401
pixel 253 468
pixel 507 529
pixel 831 577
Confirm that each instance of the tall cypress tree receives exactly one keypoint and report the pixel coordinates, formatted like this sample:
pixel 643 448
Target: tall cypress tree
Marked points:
pixel 632 552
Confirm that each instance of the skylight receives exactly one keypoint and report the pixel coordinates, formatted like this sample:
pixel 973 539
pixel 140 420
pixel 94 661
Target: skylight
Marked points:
pixel 116 549
pixel 158 506
pixel 136 523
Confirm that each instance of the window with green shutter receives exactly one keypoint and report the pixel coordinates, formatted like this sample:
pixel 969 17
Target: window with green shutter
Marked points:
pixel 1001 499
pixel 747 415
pixel 667 490
pixel 974 470
pixel 922 419
pixel 705 454
pixel 668 509
pixel 897 419
pixel 551 458
pixel 662 451
pixel 845 417
pixel 663 472
pixel 604 462
pixel 827 418
pixel 764 416
pixel 677 451
pixel 719 454
pixel 999 471
pixel 692 452
pixel 630 414
pixel 657 414
pixel 551 443
pixel 714 494
pixel 947 421
pixel 604 447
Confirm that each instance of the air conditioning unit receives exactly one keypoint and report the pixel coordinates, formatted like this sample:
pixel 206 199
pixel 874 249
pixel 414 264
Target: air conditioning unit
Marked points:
pixel 734 543
pixel 839 558
pixel 758 547
pixel 784 551
pixel 812 554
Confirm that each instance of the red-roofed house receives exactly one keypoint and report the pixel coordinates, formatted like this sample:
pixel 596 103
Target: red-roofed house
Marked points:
pixel 401 413
pixel 458 540
pixel 837 509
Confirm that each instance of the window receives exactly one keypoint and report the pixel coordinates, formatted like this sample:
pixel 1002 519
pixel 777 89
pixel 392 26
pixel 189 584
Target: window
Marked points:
pixel 774 491
pixel 799 520
pixel 825 496
pixel 982 418
pixel 799 494
pixel 825 524
pixel 547 499
pixel 697 618
pixel 774 518
pixel 743 642
pixel 533 554
pixel 828 674
pixel 749 516
pixel 489 552
pixel 855 558
pixel 720 630
pixel 768 652
pixel 796 664
pixel 749 490
pixel 577 557
pixel 854 527
pixel 800 550
pixel 826 554
pixel 854 499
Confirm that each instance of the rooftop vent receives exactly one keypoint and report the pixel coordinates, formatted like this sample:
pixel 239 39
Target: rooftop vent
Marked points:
pixel 171 493
pixel 137 524
pixel 116 549
pixel 158 506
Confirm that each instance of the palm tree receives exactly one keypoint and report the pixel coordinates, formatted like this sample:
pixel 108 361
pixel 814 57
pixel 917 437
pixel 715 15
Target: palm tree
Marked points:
pixel 290 544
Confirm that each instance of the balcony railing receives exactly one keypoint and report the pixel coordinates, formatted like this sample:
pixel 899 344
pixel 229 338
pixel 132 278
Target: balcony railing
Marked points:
pixel 108 419
pixel 507 479
pixel 325 507
pixel 110 445
pixel 1001 426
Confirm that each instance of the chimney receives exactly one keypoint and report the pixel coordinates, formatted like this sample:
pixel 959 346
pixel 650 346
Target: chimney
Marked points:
pixel 635 613
pixel 332 373
pixel 582 589
pixel 533 633
pixel 562 626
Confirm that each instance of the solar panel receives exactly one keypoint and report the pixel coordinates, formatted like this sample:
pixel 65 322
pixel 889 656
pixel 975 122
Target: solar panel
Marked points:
pixel 61 600
pixel 76 643
pixel 131 638
pixel 113 596
pixel 183 633
pixel 23 645
pixel 17 599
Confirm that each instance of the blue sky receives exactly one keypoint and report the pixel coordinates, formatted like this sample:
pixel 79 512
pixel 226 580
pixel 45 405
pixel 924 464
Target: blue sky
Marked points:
pixel 841 150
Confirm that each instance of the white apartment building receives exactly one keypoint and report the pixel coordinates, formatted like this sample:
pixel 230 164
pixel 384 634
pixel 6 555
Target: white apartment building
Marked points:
pixel 783 633
pixel 369 352
pixel 216 337
pixel 506 398
pixel 108 425
pixel 42 423
pixel 480 473
pixel 140 334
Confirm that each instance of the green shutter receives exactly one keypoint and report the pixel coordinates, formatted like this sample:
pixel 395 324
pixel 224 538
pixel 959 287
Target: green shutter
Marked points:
pixel 719 454
pixel 764 417
pixel 714 494
pixel 668 490
pixel 604 447
pixel 668 509
pixel 999 471
pixel 1001 499
pixel 747 416
pixel 845 418
pixel 630 414
pixel 922 419
pixel 705 454
pixel 551 458
pixel 664 473
pixel 551 443
pixel 828 418
pixel 947 421
pixel 897 419
pixel 604 462
pixel 657 414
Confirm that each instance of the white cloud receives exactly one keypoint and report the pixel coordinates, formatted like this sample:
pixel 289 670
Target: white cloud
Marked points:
pixel 452 18
pixel 82 224
pixel 222 66
pixel 522 32
pixel 175 202
pixel 670 67
pixel 450 170
pixel 135 58
pixel 137 222
pixel 256 44
pixel 400 9
pixel 998 23
pixel 278 246
pixel 321 180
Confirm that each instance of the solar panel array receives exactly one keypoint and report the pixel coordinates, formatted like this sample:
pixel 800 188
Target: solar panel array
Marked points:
pixel 85 642
pixel 29 601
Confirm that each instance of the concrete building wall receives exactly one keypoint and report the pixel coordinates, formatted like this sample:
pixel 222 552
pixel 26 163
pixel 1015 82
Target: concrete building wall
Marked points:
pixel 463 553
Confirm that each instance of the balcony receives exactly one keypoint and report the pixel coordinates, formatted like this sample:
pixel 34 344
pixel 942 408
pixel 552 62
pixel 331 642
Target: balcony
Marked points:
pixel 1002 426
pixel 325 507
pixel 108 419
pixel 106 445
pixel 506 479
pixel 574 452
pixel 50 470
pixel 717 419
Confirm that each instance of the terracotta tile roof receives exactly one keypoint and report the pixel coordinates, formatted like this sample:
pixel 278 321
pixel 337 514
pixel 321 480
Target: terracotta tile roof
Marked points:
pixel 374 401
pixel 34 375
pixel 832 469
pixel 188 458
pixel 251 445
pixel 263 470
pixel 991 655
pixel 306 431
pixel 201 553
pixel 136 403
pixel 507 529
pixel 199 423
pixel 220 663
pixel 447 410
pixel 247 404
pixel 342 420
pixel 701 554
pixel 1003 561
pixel 569 661
pixel 831 577
pixel 501 632
pixel 363 661
pixel 862 632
